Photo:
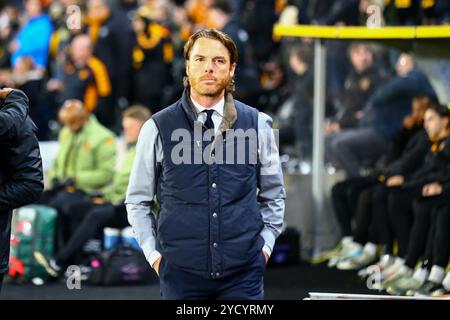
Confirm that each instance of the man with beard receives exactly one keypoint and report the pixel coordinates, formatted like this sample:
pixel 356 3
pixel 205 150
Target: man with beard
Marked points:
pixel 217 221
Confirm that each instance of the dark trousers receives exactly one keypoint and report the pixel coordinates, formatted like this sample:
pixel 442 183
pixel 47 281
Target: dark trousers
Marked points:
pixel 365 230
pixel 384 230
pixel 350 149
pixel 247 284
pixel 400 202
pixel 80 220
pixel 345 196
pixel 440 245
pixel 430 237
pixel 64 202
pixel 85 225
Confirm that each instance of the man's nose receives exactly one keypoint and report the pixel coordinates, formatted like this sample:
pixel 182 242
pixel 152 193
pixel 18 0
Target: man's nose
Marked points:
pixel 209 66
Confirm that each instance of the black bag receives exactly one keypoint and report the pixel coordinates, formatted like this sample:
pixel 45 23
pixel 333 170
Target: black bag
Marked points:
pixel 122 265
pixel 286 250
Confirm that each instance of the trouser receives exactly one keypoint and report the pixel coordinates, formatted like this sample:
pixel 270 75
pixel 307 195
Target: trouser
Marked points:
pixel 426 233
pixel 247 284
pixel 80 220
pixel 365 230
pixel 384 230
pixel 440 246
pixel 63 201
pixel 400 214
pixel 67 204
pixel 345 196
pixel 84 225
pixel 350 148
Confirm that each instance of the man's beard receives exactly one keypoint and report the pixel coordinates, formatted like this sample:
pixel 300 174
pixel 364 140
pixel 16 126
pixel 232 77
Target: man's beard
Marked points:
pixel 209 91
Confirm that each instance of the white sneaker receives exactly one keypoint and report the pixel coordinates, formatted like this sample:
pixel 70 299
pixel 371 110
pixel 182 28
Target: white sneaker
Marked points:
pixel 356 262
pixel 350 250
pixel 393 268
pixel 401 272
pixel 403 285
pixel 384 262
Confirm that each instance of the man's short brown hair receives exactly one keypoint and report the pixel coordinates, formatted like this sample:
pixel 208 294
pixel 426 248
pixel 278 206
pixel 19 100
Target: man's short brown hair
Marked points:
pixel 215 35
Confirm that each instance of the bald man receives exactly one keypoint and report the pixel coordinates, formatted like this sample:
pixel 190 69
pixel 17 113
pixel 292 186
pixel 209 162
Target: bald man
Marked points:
pixel 86 158
pixel 87 153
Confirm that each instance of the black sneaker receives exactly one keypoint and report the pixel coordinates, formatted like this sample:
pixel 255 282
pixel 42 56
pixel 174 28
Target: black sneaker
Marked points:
pixel 48 263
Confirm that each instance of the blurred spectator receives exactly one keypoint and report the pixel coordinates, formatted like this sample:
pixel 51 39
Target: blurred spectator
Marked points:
pixel 86 158
pixel 337 13
pixel 152 58
pixel 380 118
pixel 30 79
pixel 301 79
pixel 9 25
pixel 88 169
pixel 274 87
pixel 85 78
pixel 337 68
pixel 64 29
pixel 111 34
pixel 364 78
pixel 34 36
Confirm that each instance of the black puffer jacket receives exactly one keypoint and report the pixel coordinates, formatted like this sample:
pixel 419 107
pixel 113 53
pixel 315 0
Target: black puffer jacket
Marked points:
pixel 21 177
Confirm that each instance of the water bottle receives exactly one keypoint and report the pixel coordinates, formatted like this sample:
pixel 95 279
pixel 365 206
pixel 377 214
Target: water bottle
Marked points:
pixel 129 239
pixel 111 238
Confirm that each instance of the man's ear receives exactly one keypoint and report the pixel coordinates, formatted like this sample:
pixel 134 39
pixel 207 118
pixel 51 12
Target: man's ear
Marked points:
pixel 186 67
pixel 232 69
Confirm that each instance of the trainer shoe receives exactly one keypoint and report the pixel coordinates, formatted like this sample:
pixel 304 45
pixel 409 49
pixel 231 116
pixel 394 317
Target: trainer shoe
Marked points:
pixel 403 285
pixel 348 251
pixel 393 268
pixel 357 262
pixel 384 262
pixel 402 271
pixel 427 289
pixel 48 263
pixel 440 292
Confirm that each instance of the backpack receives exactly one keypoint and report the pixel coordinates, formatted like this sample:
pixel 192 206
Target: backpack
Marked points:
pixel 122 265
pixel 33 229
